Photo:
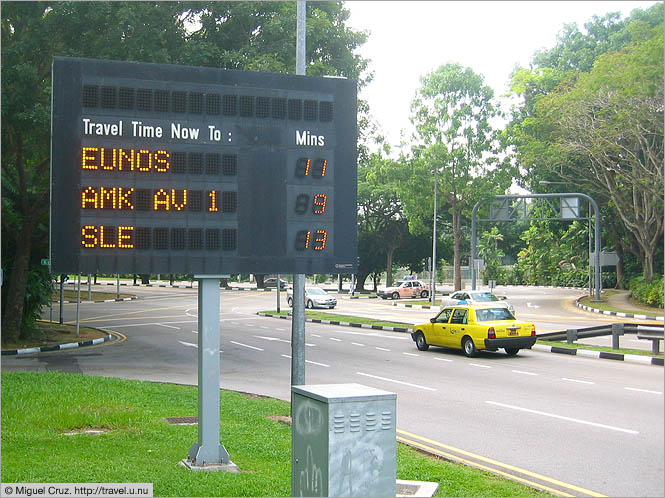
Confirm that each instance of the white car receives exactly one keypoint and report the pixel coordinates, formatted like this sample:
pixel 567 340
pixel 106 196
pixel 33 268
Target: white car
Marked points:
pixel 475 297
pixel 314 298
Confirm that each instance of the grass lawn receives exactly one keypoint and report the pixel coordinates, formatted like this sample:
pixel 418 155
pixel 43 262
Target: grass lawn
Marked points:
pixel 137 445
pixel 322 315
pixel 52 333
pixel 71 295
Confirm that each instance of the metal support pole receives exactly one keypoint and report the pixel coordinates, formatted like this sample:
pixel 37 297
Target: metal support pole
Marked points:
pixel 117 292
pixel 89 287
pixel 62 298
pixel 298 318
pixel 78 305
pixel 298 332
pixel 50 305
pixel 433 287
pixel 279 285
pixel 474 237
pixel 208 451
pixel 590 250
pixel 301 34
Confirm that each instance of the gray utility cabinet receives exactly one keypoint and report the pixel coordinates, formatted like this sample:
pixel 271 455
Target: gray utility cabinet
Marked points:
pixel 344 441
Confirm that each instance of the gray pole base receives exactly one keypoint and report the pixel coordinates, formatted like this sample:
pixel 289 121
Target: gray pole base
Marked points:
pixel 226 465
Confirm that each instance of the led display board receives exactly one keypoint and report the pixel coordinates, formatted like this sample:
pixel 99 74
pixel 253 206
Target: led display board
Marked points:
pixel 173 169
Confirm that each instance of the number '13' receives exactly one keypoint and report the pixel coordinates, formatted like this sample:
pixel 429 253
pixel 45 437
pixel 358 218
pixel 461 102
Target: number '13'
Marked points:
pixel 306 239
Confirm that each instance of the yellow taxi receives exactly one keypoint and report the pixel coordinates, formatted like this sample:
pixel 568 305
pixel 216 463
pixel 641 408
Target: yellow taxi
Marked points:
pixel 475 327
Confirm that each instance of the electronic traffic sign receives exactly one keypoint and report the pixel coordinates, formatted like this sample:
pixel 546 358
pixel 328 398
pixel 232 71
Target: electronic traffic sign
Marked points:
pixel 173 169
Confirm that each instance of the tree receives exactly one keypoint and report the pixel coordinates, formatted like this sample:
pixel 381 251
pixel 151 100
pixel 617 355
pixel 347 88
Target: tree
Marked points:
pixel 452 112
pixel 247 35
pixel 612 122
pixel 587 99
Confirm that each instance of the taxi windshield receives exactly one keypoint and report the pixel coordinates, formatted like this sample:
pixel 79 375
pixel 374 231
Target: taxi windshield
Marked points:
pixel 484 297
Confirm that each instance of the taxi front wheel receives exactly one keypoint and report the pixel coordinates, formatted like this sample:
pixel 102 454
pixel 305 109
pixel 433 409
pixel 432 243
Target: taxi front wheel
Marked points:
pixel 469 347
pixel 421 343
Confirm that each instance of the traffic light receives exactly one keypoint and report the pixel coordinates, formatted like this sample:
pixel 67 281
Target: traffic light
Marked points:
pixel 64 278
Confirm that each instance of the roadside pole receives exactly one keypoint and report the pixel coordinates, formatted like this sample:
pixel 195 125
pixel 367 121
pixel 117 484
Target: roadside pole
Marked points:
pixel 298 317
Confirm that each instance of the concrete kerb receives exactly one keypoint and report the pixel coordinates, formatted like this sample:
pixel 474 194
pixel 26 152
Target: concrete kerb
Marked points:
pixel 617 313
pixel 59 347
pixel 629 358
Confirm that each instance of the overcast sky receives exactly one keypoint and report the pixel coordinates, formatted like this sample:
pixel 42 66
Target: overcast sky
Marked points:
pixel 409 39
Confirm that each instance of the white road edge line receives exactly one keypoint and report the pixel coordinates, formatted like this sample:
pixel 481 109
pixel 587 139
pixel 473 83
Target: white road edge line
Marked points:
pixel 167 326
pixel 396 381
pixel 245 345
pixel 443 359
pixel 642 390
pixel 479 365
pixel 561 417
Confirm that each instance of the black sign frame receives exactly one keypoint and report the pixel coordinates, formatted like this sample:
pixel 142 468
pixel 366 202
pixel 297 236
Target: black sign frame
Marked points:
pixel 161 168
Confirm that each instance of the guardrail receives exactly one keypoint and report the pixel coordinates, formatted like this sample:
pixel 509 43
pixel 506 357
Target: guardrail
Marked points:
pixel 654 333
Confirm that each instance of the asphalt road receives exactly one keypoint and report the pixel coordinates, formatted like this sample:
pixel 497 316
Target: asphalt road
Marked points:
pixel 577 426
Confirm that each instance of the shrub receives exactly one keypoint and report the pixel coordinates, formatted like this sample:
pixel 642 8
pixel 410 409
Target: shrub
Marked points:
pixel 649 294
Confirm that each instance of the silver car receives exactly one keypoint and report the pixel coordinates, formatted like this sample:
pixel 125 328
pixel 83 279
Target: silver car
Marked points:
pixel 474 297
pixel 314 298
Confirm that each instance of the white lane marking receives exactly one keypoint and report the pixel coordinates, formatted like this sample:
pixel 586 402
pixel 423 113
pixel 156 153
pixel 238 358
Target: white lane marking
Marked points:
pixel 281 330
pixel 357 344
pixel 264 327
pixel 272 339
pixel 189 344
pixel 167 326
pixel 285 356
pixel 245 345
pixel 479 365
pixel 561 417
pixel 411 354
pixel 443 359
pixel 195 331
pixel 373 334
pixel 310 345
pixel 335 339
pixel 396 381
pixel 382 349
pixel 522 372
pixel 316 363
pixel 577 380
pixel 235 323
pixel 316 335
pixel 642 390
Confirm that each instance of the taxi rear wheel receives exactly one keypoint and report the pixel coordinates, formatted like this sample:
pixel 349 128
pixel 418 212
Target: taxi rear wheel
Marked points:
pixel 469 347
pixel 395 295
pixel 421 343
pixel 424 294
pixel 512 351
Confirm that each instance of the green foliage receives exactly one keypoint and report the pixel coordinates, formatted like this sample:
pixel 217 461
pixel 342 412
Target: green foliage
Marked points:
pixel 592 118
pixel 238 35
pixel 649 294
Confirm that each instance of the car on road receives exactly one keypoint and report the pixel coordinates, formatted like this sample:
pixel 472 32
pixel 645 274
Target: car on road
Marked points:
pixel 475 297
pixel 408 288
pixel 315 297
pixel 271 283
pixel 475 327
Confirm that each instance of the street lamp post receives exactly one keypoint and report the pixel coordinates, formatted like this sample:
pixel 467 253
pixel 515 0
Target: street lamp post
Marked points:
pixel 433 275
